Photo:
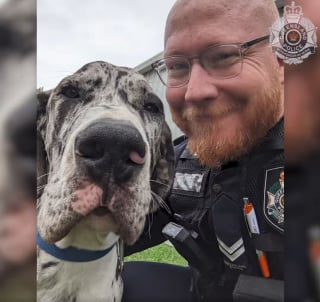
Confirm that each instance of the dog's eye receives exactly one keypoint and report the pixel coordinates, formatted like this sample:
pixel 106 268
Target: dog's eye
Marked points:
pixel 151 107
pixel 153 104
pixel 70 92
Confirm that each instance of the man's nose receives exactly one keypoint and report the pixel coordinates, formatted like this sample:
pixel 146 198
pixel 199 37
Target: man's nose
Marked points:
pixel 201 85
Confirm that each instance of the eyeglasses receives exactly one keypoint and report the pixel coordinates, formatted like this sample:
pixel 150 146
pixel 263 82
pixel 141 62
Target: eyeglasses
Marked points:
pixel 220 61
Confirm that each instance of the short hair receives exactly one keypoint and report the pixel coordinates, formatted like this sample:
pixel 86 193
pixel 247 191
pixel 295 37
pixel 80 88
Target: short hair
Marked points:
pixel 262 12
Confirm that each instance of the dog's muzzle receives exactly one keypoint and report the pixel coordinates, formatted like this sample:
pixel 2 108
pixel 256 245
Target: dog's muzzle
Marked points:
pixel 110 148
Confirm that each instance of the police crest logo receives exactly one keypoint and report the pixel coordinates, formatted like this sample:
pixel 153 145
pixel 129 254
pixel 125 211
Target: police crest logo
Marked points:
pixel 274 197
pixel 293 37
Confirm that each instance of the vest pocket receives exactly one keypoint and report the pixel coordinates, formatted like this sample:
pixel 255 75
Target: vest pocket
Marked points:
pixel 228 225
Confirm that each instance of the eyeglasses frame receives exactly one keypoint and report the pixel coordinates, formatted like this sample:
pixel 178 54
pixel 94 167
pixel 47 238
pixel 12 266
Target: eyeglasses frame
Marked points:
pixel 242 47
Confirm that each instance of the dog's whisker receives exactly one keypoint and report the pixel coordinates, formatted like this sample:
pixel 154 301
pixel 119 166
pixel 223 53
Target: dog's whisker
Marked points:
pixel 160 183
pixel 40 188
pixel 160 202
pixel 157 198
pixel 150 221
pixel 43 175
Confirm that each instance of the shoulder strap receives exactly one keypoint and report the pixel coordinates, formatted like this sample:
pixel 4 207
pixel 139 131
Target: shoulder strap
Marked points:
pixel 180 144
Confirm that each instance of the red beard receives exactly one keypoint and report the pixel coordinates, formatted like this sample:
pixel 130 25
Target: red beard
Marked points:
pixel 204 126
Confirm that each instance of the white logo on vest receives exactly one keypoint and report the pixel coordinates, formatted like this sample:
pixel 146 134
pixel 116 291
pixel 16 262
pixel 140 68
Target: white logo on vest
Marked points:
pixel 293 37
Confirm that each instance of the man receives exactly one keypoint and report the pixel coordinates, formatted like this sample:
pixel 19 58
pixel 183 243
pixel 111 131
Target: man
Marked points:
pixel 302 145
pixel 225 90
pixel 302 92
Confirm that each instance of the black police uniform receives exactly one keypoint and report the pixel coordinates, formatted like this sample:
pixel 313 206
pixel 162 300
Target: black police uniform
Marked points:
pixel 209 202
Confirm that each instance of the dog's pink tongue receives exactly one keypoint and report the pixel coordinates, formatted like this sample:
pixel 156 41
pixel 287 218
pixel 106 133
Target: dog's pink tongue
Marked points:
pixel 136 158
pixel 87 199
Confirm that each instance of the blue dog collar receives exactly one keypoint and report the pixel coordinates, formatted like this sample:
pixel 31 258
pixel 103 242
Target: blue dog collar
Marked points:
pixel 71 253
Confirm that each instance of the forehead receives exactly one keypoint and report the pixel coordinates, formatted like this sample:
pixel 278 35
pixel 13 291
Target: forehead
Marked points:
pixel 104 81
pixel 99 84
pixel 102 74
pixel 198 24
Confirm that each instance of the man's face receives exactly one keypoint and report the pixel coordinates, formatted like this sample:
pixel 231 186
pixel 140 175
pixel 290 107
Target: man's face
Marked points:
pixel 223 118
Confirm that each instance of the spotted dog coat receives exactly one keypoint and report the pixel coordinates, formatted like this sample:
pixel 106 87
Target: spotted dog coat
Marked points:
pixel 105 160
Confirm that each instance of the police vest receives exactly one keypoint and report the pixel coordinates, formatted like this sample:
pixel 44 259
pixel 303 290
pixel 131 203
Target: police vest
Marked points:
pixel 210 202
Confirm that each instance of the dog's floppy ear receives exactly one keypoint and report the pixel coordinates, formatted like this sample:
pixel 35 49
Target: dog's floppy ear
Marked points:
pixel 42 161
pixel 163 171
pixel 42 101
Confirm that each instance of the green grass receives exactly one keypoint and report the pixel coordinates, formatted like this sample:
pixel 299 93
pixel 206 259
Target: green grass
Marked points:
pixel 160 253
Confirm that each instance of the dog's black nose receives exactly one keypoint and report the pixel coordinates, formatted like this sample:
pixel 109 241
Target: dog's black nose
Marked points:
pixel 111 146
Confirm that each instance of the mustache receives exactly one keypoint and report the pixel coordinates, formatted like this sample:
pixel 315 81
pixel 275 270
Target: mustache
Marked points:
pixel 211 112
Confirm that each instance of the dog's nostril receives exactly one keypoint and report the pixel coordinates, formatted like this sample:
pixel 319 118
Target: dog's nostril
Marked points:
pixel 136 158
pixel 90 149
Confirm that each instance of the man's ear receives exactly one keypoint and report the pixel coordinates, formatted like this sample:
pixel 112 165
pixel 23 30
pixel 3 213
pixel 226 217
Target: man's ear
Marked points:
pixel 42 161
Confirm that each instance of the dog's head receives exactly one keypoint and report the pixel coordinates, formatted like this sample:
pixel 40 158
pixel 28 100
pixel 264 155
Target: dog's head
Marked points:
pixel 104 151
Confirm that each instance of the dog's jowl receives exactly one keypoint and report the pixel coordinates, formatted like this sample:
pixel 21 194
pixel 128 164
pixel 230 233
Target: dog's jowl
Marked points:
pixel 104 160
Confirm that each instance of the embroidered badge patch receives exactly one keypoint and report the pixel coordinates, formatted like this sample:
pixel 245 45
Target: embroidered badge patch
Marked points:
pixel 274 197
pixel 293 37
pixel 188 182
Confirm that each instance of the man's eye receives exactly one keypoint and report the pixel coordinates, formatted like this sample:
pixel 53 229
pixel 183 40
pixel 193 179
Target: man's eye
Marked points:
pixel 70 92
pixel 223 58
pixel 177 66
pixel 230 55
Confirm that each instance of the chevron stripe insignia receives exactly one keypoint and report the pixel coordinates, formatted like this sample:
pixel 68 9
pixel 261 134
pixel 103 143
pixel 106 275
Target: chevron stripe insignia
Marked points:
pixel 234 251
